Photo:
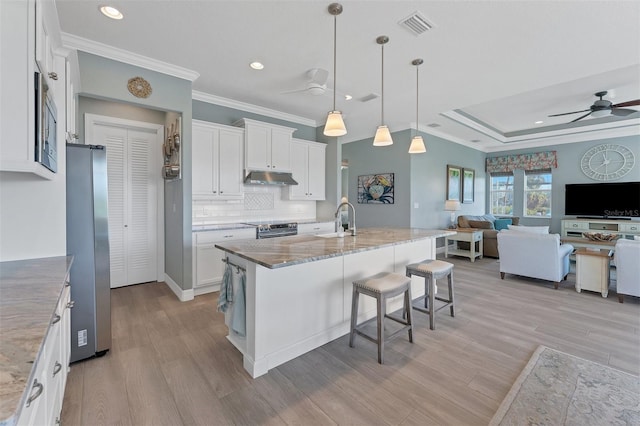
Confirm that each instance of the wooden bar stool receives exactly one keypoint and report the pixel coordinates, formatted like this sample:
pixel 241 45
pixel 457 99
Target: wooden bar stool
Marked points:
pixel 432 270
pixel 382 286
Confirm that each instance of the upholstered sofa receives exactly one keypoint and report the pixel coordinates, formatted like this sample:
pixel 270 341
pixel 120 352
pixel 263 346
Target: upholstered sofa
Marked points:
pixel 533 255
pixel 627 261
pixel 487 223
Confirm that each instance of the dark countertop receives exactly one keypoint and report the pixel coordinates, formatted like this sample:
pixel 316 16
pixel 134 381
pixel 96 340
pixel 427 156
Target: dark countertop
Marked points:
pixel 29 293
pixel 287 251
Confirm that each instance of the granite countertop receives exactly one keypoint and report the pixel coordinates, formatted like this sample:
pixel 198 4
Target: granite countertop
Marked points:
pixel 30 292
pixel 287 251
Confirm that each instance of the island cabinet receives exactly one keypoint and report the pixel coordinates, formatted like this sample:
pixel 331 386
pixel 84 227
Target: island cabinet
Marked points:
pixel 216 161
pixel 36 347
pixel 299 288
pixel 208 268
pixel 308 169
pixel 266 146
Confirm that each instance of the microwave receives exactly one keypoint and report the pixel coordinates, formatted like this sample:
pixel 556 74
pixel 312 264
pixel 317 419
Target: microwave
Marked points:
pixel 46 148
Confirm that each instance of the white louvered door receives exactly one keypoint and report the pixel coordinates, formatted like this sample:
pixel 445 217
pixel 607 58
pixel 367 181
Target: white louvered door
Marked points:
pixel 132 204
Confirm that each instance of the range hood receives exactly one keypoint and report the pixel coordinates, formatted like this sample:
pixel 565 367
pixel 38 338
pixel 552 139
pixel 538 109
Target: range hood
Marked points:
pixel 257 177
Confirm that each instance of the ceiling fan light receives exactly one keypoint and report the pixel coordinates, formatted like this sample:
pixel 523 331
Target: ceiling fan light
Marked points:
pixel 383 137
pixel 335 125
pixel 600 113
pixel 417 145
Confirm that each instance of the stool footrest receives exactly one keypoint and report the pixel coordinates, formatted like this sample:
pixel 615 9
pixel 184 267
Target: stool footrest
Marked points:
pixel 386 337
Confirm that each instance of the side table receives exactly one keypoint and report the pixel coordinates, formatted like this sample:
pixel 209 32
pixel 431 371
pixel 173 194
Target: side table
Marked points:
pixel 472 236
pixel 592 270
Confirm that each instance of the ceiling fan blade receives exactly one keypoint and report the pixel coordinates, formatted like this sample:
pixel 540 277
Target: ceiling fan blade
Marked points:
pixel 567 113
pixel 621 112
pixel 581 117
pixel 293 91
pixel 626 104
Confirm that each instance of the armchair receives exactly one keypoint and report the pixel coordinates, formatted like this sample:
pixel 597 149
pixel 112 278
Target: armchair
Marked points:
pixel 627 260
pixel 533 255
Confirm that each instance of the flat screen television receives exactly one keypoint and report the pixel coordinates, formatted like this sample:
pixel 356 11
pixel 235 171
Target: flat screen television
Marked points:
pixel 603 200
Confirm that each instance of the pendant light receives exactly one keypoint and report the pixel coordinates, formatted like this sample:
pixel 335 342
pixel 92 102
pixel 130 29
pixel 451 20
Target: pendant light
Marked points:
pixel 382 137
pixel 335 124
pixel 417 144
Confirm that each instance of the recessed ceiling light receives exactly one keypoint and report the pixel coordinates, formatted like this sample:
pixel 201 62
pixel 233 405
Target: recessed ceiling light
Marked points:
pixel 111 12
pixel 348 97
pixel 539 122
pixel 256 65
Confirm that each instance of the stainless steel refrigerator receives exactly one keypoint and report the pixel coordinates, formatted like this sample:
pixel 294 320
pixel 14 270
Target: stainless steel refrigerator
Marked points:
pixel 88 242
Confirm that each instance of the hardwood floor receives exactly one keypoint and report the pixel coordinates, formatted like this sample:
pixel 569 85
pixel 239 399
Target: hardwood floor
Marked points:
pixel 171 364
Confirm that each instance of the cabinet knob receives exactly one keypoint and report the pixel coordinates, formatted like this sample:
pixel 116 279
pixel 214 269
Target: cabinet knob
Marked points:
pixel 222 192
pixel 215 192
pixel 53 76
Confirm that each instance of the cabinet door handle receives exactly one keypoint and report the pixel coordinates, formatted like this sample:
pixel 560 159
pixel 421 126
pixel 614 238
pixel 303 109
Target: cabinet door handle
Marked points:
pixel 71 304
pixel 215 192
pixel 39 387
pixel 57 368
pixel 53 75
pixel 56 319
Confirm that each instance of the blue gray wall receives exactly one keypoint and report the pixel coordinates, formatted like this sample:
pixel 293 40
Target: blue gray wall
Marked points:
pixel 107 79
pixel 568 171
pixel 420 180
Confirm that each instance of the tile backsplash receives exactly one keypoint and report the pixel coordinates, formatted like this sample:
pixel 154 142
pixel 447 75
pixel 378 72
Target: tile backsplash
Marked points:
pixel 260 203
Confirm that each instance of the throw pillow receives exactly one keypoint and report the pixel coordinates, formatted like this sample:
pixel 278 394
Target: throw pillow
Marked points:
pixel 480 224
pixel 502 223
pixel 530 229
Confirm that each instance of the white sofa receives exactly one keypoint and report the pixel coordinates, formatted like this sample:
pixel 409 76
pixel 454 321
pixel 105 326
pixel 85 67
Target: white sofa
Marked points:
pixel 533 255
pixel 627 260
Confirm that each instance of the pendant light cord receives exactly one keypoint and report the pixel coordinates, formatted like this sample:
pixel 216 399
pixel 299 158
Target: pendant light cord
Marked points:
pixel 335 46
pixel 382 99
pixel 417 97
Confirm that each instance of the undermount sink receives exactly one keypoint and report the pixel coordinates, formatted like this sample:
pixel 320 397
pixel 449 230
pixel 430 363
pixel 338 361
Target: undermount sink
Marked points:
pixel 331 235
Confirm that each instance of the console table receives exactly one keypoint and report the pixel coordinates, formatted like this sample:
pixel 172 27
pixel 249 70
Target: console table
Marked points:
pixel 592 270
pixel 575 227
pixel 472 236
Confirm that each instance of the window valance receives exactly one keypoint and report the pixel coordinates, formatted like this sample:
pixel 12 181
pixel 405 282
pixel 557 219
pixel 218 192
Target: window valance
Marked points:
pixel 534 161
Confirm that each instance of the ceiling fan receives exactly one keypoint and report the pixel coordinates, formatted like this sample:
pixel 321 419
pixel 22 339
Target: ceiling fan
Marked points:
pixel 316 84
pixel 603 107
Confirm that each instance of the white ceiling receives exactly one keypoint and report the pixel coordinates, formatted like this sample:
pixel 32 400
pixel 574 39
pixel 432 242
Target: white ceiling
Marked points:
pixel 491 68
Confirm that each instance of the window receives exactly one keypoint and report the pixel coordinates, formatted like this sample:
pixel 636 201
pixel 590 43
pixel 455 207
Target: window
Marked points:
pixel 502 194
pixel 537 193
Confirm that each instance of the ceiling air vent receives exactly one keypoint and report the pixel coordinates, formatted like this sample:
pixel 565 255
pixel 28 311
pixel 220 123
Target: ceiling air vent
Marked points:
pixel 416 23
pixel 433 125
pixel 369 97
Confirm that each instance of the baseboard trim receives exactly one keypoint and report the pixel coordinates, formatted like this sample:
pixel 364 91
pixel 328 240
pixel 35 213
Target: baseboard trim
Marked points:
pixel 183 295
pixel 211 288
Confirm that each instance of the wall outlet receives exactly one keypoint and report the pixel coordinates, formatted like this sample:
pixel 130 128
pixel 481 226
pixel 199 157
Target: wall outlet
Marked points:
pixel 416 205
pixel 82 338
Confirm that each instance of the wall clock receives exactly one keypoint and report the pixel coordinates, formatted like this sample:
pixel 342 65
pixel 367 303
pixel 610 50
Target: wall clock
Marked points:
pixel 607 162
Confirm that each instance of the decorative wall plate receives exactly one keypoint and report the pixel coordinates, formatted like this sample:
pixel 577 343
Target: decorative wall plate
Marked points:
pixel 139 87
pixel 607 162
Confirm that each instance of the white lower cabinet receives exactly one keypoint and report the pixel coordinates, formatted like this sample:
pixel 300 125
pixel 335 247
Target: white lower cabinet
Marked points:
pixel 207 262
pixel 46 391
pixel 316 228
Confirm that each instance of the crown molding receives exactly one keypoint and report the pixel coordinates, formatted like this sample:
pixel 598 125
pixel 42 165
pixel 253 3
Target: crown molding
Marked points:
pixel 255 109
pixel 71 41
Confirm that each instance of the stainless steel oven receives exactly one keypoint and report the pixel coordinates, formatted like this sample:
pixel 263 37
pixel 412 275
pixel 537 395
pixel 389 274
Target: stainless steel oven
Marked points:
pixel 274 230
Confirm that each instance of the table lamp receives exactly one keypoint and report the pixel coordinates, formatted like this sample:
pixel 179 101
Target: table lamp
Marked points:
pixel 452 206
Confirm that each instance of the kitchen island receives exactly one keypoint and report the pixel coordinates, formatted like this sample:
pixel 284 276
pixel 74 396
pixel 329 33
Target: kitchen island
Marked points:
pixel 298 289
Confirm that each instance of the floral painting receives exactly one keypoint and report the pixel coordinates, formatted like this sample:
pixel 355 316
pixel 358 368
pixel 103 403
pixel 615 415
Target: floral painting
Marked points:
pixel 375 189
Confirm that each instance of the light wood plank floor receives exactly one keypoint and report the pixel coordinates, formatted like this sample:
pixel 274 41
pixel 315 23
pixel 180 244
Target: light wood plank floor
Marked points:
pixel 171 364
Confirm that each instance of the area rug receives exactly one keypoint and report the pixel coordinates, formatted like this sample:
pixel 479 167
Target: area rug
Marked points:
pixel 556 388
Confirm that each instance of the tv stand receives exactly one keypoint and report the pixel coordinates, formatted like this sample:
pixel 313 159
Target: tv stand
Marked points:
pixel 575 227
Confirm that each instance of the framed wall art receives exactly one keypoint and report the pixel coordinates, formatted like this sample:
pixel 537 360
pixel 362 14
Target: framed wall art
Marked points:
pixel 454 182
pixel 468 182
pixel 376 189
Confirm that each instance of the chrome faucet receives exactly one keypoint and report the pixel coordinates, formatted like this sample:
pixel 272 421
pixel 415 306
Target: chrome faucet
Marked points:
pixel 352 228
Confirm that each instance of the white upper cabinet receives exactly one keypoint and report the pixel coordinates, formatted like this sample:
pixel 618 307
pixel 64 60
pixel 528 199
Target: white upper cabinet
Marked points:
pixel 308 169
pixel 267 146
pixel 216 161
